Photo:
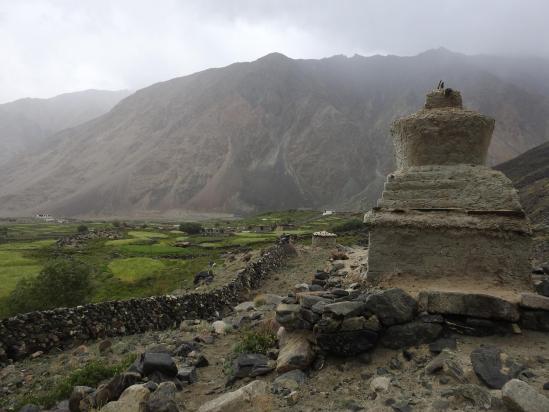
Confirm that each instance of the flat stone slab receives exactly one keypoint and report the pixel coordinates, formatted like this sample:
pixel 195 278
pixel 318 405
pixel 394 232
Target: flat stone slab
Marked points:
pixel 533 301
pixel 468 304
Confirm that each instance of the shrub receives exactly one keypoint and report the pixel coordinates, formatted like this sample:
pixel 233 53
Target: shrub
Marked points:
pixel 60 283
pixel 190 228
pixel 82 229
pixel 258 340
pixel 348 226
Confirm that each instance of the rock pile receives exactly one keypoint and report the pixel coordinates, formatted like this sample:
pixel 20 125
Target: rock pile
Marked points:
pixel 351 321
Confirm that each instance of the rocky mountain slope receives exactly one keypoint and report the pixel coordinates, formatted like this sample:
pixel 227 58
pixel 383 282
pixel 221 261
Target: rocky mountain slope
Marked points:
pixel 530 174
pixel 275 133
pixel 27 122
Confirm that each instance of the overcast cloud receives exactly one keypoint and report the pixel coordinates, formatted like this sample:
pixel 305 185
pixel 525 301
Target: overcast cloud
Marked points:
pixel 50 47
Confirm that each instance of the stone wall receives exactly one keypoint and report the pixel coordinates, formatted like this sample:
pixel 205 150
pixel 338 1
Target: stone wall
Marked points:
pixel 324 242
pixel 27 333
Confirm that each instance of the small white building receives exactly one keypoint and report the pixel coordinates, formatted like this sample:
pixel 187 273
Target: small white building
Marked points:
pixel 328 212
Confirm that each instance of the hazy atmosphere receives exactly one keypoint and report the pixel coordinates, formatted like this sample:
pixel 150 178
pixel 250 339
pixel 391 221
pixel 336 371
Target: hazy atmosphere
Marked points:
pixel 51 47
pixel 274 205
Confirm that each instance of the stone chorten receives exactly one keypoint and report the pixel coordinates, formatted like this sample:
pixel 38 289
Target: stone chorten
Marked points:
pixel 444 218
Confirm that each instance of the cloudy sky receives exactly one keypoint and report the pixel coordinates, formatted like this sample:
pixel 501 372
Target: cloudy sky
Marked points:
pixel 54 46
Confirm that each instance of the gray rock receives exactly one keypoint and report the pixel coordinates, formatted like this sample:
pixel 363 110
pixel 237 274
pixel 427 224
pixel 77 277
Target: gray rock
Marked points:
pixel 244 307
pixel 468 304
pixel 392 306
pixel 250 365
pixel 239 400
pixel 410 334
pixel 187 374
pixel 519 396
pixel 308 301
pixel 288 382
pixel 295 353
pixel 354 323
pixel 132 399
pixel 347 343
pixel 345 309
pixel 158 363
pixel 163 399
pixel 380 384
pixel 533 301
pixel 113 389
pixel 493 367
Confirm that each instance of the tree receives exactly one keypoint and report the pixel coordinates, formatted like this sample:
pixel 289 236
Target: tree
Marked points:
pixel 190 228
pixel 82 229
pixel 61 283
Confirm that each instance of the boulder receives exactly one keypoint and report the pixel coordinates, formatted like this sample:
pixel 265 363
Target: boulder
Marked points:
pixel 447 363
pixel 250 365
pixel 287 314
pixel 220 327
pixel 113 389
pixel 410 334
pixel 380 384
pixel 533 301
pixel 158 363
pixel 468 304
pixel 132 399
pixel 237 401
pixel 346 343
pixel 493 367
pixel 289 382
pixel 163 399
pixel 244 307
pixel 392 306
pixel 296 353
pixel 345 309
pixel 519 396
pixel 187 374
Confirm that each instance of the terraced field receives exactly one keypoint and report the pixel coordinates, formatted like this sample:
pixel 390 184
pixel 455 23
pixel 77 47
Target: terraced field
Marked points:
pixel 148 259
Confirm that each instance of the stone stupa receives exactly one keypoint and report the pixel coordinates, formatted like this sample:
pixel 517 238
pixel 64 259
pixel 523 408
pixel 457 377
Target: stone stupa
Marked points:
pixel 444 218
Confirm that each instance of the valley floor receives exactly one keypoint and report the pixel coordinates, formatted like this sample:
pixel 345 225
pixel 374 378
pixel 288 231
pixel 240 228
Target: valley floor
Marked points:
pixel 339 384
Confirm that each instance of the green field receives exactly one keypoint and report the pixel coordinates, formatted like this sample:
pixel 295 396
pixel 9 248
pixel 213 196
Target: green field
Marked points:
pixel 144 262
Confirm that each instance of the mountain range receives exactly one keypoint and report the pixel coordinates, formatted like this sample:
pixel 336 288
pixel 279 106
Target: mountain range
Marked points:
pixel 275 133
pixel 26 123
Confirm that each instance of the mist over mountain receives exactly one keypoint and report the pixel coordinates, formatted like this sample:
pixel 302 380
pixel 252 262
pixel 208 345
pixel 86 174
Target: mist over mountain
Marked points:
pixel 25 123
pixel 275 133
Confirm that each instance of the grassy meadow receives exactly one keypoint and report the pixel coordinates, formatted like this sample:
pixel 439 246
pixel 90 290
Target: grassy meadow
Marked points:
pixel 146 260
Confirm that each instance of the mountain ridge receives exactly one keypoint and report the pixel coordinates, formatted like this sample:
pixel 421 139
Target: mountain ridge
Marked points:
pixel 276 133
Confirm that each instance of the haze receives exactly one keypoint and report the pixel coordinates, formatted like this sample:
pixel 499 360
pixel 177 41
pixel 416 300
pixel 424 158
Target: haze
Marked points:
pixel 56 46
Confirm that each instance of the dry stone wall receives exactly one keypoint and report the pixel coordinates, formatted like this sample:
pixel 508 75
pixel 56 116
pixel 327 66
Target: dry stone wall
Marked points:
pixel 24 334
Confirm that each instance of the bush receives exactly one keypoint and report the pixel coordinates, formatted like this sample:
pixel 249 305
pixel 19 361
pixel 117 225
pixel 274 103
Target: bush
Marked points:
pixel 258 340
pixel 60 283
pixel 190 228
pixel 350 225
pixel 82 229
